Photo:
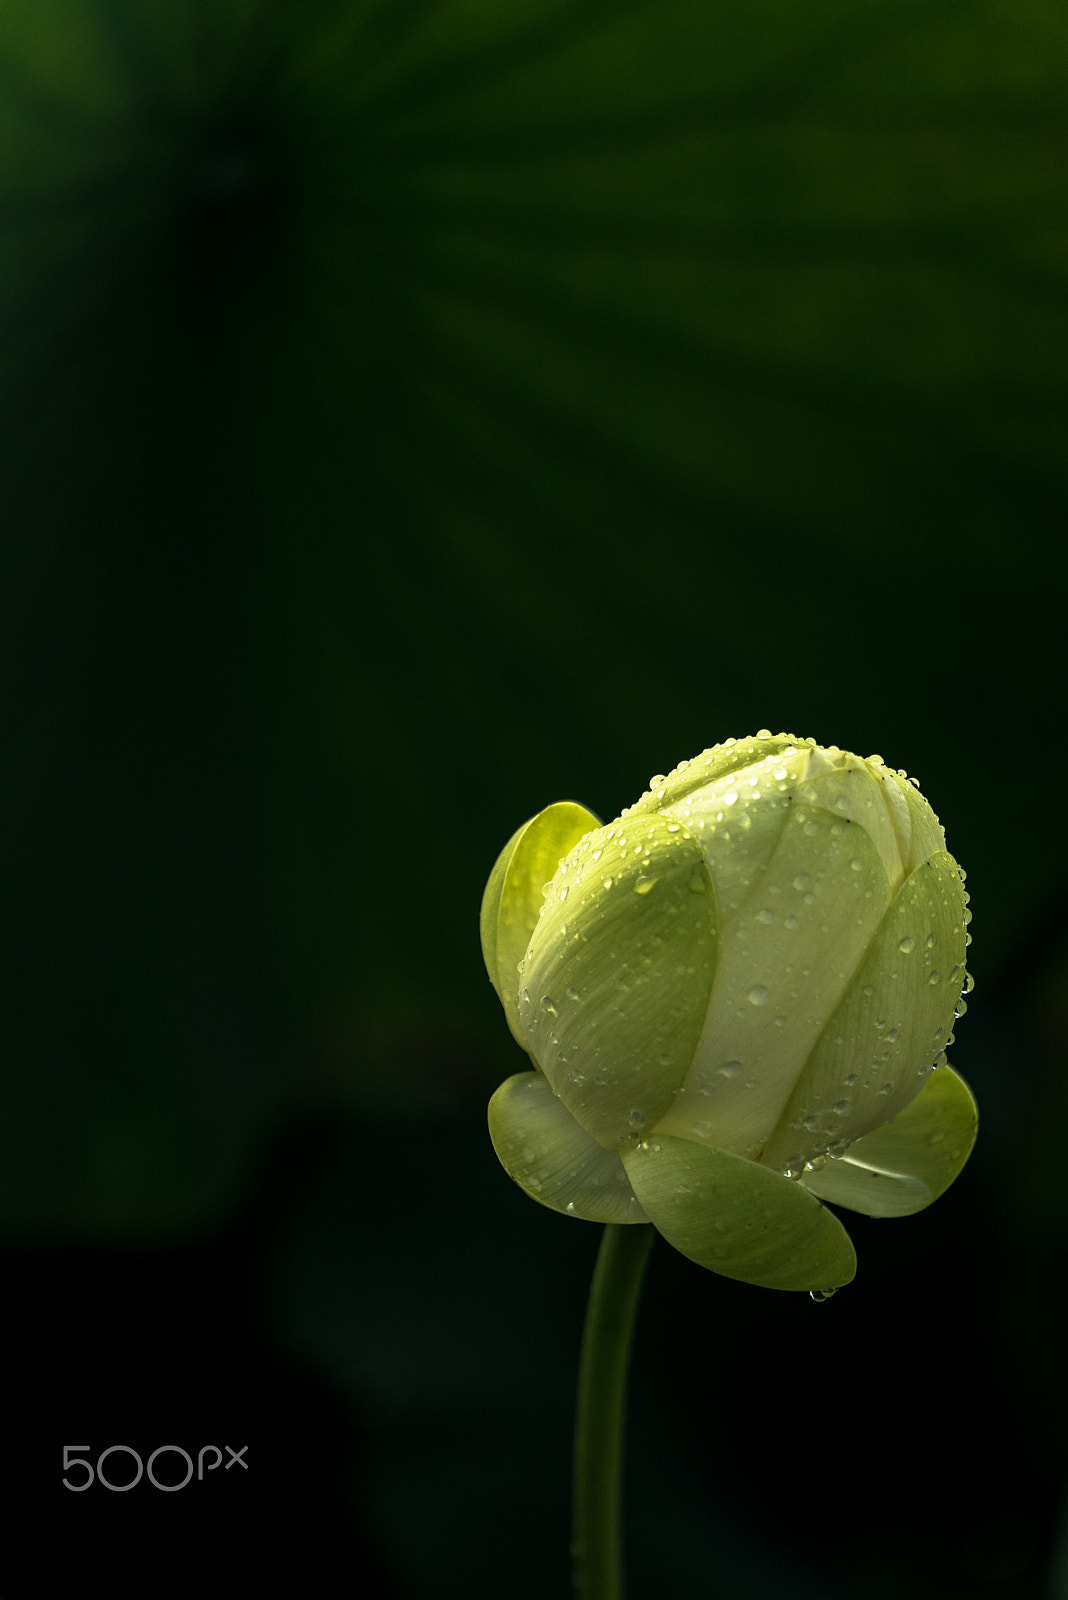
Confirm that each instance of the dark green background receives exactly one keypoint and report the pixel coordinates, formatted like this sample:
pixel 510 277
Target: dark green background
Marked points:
pixel 414 413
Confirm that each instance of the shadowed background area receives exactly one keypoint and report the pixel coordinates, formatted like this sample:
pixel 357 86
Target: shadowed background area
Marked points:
pixel 415 412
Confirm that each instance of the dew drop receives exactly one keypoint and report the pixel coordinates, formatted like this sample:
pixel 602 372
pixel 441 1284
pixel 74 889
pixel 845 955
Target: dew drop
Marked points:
pixel 758 995
pixel 907 945
pixel 730 1069
pixel 819 1295
pixel 547 1006
pixel 802 882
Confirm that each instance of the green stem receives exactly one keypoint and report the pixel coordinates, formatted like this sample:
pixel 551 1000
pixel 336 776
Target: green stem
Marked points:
pixel 602 1398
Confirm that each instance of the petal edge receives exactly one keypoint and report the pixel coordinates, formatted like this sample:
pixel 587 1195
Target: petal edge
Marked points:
pixel 902 1167
pixel 738 1218
pixel 542 1148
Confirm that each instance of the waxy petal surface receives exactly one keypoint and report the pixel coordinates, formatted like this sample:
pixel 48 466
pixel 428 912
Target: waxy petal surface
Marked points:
pixel 711 765
pixel 787 956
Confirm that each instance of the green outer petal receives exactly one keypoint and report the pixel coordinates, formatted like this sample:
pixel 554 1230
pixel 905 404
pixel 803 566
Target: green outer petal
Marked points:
pixel 540 1145
pixel 908 993
pixel 737 1218
pixel 903 1166
pixel 716 762
pixel 617 979
pixel 513 897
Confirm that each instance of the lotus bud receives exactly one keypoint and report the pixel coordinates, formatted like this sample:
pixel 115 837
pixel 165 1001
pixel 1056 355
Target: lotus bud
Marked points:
pixel 737 1000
